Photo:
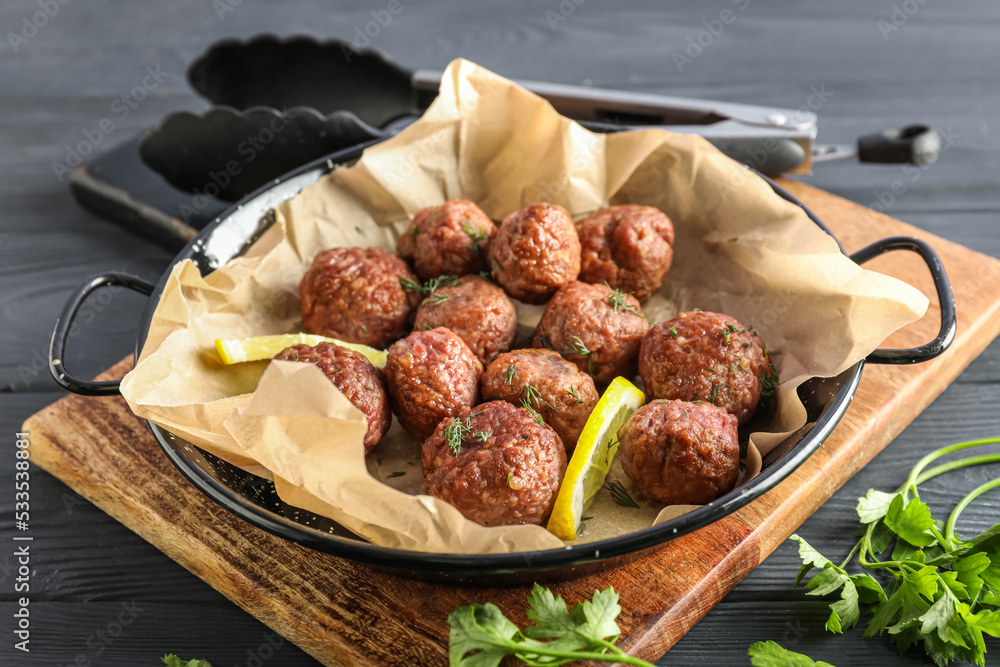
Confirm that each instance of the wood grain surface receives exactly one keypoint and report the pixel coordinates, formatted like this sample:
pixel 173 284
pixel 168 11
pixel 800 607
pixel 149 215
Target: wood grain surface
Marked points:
pixel 938 68
pixel 331 608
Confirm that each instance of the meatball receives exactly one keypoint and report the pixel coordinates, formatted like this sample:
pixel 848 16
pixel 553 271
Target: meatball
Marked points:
pixel 681 453
pixel 355 294
pixel 475 309
pixel 597 328
pixel 535 252
pixel 709 357
pixel 431 375
pixel 450 239
pixel 561 393
pixel 355 377
pixel 506 470
pixel 628 247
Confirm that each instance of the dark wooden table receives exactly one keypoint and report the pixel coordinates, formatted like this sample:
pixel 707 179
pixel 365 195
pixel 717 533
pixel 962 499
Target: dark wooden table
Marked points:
pixel 102 596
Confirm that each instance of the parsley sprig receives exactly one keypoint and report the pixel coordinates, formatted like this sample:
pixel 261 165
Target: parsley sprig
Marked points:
pixel 457 430
pixel 771 654
pixel 430 288
pixel 172 660
pixel 944 591
pixel 481 635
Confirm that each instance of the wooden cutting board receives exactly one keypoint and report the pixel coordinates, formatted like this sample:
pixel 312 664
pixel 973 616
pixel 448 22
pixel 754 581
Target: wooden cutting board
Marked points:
pixel 347 614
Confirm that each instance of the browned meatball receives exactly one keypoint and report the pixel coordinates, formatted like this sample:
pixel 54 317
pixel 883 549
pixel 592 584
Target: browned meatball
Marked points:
pixel 354 294
pixel 597 328
pixel 355 377
pixel 681 453
pixel 450 239
pixel 475 309
pixel 705 356
pixel 506 470
pixel 628 247
pixel 561 393
pixel 431 375
pixel 535 252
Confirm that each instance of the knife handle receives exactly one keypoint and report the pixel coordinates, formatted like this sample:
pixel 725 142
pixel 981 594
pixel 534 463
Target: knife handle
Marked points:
pixel 914 144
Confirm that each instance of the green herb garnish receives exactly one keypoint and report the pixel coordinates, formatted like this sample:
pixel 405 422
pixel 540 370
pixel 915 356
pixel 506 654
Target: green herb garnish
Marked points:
pixel 481 635
pixel 511 375
pixel 572 392
pixel 533 396
pixel 769 381
pixel 173 661
pixel 620 495
pixel 535 414
pixel 673 331
pixel 430 288
pixel 770 654
pixel 618 302
pixel 477 235
pixel 457 430
pixel 576 347
pixel 944 591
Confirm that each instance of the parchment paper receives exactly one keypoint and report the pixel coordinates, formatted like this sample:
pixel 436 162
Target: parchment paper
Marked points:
pixel 740 249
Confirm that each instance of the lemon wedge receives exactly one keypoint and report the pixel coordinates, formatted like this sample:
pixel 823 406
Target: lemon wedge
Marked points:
pixel 593 455
pixel 234 351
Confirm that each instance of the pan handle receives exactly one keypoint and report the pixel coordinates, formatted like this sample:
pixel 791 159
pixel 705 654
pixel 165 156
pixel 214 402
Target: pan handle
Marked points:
pixel 949 324
pixel 64 330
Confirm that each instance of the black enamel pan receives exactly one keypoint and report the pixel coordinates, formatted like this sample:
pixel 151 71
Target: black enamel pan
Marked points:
pixel 254 499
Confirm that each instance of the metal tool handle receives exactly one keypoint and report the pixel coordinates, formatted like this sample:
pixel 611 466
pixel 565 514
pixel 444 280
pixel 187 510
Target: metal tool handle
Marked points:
pixel 914 144
pixel 946 300
pixel 64 330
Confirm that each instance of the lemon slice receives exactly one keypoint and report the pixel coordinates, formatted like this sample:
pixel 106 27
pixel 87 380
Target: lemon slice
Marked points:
pixel 234 351
pixel 593 455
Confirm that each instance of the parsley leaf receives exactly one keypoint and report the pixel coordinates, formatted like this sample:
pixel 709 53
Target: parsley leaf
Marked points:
pixel 944 592
pixel 874 505
pixel 771 654
pixel 173 661
pixel 481 635
pixel 910 522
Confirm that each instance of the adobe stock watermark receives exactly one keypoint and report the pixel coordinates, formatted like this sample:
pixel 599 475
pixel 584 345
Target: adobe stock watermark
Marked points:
pixel 249 149
pixel 39 362
pixel 900 16
pixel 104 637
pixel 890 196
pixel 702 40
pixel 757 157
pixel 33 24
pixel 381 18
pixel 223 7
pixel 565 9
pixel 120 108
pixel 265 651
